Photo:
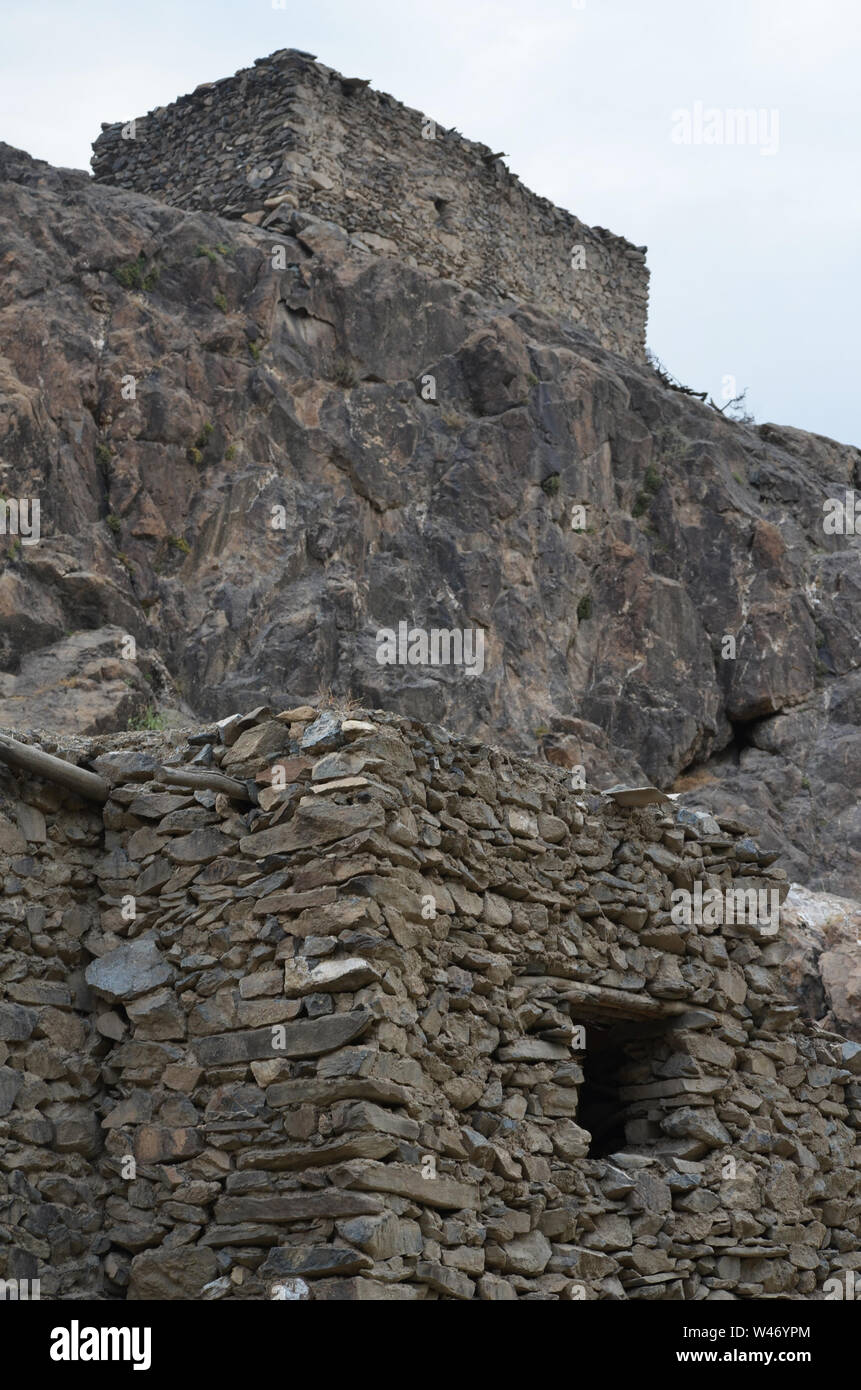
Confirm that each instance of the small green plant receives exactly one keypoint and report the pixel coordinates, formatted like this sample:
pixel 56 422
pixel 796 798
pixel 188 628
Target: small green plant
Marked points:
pixel 135 275
pixel 124 560
pixel 230 453
pixel 651 479
pixel 220 301
pixel 651 484
pixel 149 720
pixel 179 543
pixel 584 608
pixel 551 485
pixel 213 252
pixel 344 374
pixel 671 445
pixel 15 550
pixel 115 524
pixel 103 454
pixel 641 502
pixel 194 453
pixel 541 731
pixel 256 350
pixel 131 275
pixel 532 378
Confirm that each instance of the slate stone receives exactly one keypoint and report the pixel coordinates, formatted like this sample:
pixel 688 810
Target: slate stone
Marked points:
pixel 313 1262
pixel 165 1144
pixel 154 805
pixel 317 824
pixel 700 822
pixel 171 1274
pixel 406 1181
pixel 16 1023
pixel 329 976
pixel 301 1206
pixel 129 971
pixel 200 847
pixel 322 735
pixel 283 1159
pixel 125 765
pixel 257 743
pixel 303 1038
pixel 158 1015
pixel 10 1084
pixel 153 877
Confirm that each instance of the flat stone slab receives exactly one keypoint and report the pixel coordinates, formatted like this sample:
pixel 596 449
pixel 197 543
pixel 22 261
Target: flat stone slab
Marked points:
pixel 129 970
pixel 638 796
pixel 309 1037
pixel 405 1181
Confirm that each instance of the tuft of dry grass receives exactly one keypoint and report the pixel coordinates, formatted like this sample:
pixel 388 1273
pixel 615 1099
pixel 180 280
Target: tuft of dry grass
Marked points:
pixel 327 699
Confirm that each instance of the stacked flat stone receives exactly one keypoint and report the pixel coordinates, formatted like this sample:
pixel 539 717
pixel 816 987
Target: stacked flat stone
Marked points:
pixel 291 136
pixel 333 1018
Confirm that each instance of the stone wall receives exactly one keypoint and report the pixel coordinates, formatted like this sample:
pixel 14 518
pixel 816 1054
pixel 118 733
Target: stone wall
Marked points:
pixel 52 1085
pixel 291 134
pixel 397 1015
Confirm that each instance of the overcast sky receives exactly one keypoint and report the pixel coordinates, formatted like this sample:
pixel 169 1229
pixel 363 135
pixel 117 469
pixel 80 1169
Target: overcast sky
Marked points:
pixel 753 247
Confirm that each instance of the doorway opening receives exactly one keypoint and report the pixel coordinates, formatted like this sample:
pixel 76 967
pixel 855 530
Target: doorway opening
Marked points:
pixel 616 1056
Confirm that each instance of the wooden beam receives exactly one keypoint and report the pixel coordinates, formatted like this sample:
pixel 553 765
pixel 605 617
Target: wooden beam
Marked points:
pixel 205 781
pixel 40 764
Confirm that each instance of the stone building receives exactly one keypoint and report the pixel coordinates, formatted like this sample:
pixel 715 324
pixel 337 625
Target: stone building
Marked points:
pixel 346 1007
pixel 289 137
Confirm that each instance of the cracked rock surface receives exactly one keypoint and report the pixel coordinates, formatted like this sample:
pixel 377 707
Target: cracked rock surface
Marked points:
pixel 237 467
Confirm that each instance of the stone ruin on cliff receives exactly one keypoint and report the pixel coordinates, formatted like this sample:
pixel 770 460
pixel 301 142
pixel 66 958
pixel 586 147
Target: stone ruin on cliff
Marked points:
pixel 290 140
pixel 340 1005
pixel 344 1006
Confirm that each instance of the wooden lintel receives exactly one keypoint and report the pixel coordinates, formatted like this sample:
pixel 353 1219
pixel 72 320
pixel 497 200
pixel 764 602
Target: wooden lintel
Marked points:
pixel 40 764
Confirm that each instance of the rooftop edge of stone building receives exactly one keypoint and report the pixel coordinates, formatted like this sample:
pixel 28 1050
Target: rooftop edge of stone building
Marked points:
pixel 290 134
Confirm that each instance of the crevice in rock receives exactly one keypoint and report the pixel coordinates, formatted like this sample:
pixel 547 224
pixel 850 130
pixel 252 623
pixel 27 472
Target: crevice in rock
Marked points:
pixel 742 730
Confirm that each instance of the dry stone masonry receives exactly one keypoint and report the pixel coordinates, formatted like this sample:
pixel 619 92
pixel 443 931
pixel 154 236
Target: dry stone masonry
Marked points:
pixel 327 1005
pixel 289 139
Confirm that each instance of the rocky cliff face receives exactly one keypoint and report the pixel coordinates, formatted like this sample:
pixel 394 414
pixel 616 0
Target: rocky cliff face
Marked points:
pixel 255 448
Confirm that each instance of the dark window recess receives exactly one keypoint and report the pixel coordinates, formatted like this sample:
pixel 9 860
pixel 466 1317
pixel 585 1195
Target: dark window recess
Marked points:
pixel 612 1060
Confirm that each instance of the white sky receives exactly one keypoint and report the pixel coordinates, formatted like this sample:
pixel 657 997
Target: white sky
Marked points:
pixel 754 259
